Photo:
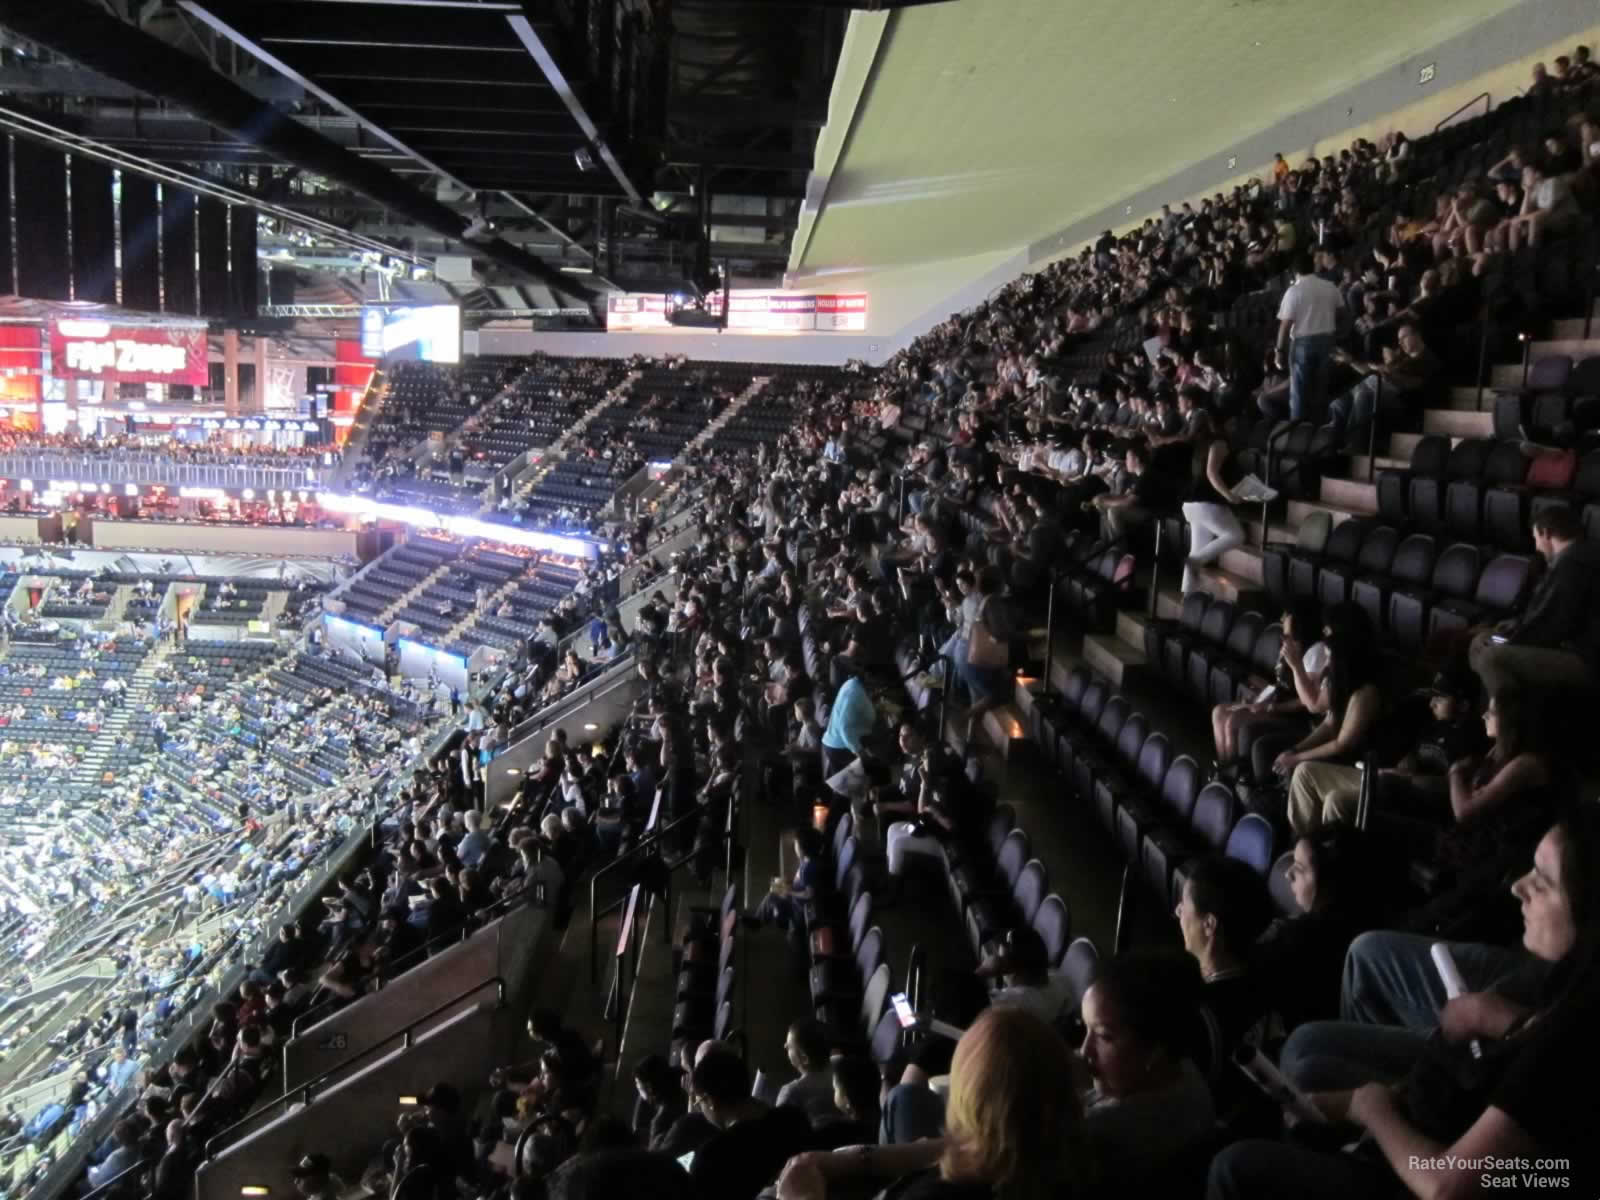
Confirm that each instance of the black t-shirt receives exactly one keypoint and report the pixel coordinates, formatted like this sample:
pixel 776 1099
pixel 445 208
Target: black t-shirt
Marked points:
pixel 930 1187
pixel 1151 489
pixel 1548 1090
pixel 744 1158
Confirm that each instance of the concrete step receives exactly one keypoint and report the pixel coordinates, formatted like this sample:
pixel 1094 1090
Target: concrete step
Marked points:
pixel 1465 399
pixel 1298 510
pixel 1002 728
pixel 1456 424
pixel 1362 466
pixel 1111 657
pixel 1505 375
pixel 1402 444
pixel 1243 562
pixel 1223 584
pixel 1567 338
pixel 1130 629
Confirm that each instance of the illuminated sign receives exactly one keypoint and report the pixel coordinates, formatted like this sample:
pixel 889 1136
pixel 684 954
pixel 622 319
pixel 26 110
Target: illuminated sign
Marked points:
pixel 748 312
pixel 86 349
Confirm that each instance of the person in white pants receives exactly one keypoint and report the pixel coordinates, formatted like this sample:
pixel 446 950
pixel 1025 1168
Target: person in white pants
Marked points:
pixel 904 838
pixel 1213 527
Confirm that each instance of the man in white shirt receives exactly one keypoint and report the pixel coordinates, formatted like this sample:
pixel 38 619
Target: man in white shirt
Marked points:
pixel 1308 323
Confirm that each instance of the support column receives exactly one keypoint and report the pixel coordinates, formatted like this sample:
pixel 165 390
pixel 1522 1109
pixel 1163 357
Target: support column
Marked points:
pixel 261 374
pixel 230 371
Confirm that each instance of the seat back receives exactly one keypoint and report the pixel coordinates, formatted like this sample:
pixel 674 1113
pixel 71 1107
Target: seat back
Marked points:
pixel 1180 787
pixel 842 832
pixel 1155 756
pixel 1549 373
pixel 848 854
pixel 1001 824
pixel 1242 637
pixel 1211 819
pixel 1194 609
pixel 1251 842
pixel 1455 574
pixel 874 995
pixel 1079 968
pixel 1129 742
pixel 1413 560
pixel 1315 533
pixel 869 953
pixel 1053 924
pixel 860 918
pixel 1467 458
pixel 1029 891
pixel 1264 656
pixel 1094 701
pixel 1112 718
pixel 886 1036
pixel 1013 856
pixel 1072 690
pixel 1377 551
pixel 1505 466
pixel 1345 541
pixel 1503 582
pixel 1217 622
pixel 1430 455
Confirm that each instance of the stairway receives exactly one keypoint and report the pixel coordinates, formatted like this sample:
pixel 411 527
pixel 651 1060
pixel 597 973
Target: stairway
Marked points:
pixel 118 606
pixel 91 767
pixel 757 386
pixel 276 602
pixel 558 449
pixel 428 580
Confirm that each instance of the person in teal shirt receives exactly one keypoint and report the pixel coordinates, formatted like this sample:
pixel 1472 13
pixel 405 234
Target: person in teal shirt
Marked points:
pixel 850 723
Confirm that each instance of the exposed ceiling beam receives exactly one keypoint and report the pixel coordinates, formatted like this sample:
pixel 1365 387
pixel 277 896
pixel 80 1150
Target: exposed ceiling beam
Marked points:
pixel 734 158
pixel 60 79
pixel 535 45
pixel 96 40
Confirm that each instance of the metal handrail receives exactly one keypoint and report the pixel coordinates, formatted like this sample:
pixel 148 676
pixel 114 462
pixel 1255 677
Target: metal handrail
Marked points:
pixel 116 1179
pixel 1484 96
pixel 304 1090
pixel 391 972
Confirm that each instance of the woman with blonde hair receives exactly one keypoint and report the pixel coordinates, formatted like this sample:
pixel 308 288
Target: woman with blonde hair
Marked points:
pixel 1013 1126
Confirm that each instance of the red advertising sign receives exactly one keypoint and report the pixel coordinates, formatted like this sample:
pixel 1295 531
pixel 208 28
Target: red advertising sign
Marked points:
pixel 85 348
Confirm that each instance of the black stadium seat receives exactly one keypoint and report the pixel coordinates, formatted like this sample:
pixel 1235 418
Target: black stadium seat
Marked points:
pixel 1410 570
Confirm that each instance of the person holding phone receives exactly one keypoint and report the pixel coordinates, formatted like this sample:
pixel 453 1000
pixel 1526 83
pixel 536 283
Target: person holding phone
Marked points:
pixel 1555 642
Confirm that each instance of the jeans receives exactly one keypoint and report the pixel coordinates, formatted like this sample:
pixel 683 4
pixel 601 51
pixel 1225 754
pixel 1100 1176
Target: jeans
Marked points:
pixel 1270 1170
pixel 1389 978
pixel 1355 408
pixel 1213 530
pixel 1534 668
pixel 913 1111
pixel 1308 372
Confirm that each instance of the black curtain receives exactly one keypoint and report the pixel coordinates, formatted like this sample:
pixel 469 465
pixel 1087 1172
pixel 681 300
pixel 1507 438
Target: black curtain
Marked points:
pixel 8 275
pixel 94 233
pixel 177 251
pixel 213 231
pixel 243 270
pixel 141 239
pixel 41 206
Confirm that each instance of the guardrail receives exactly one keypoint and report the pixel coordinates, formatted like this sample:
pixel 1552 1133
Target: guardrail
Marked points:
pixel 304 1092
pixel 88 469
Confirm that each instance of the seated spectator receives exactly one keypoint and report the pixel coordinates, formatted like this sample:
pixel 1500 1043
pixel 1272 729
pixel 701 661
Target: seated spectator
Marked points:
pixel 787 903
pixel 1549 209
pixel 1146 495
pixel 1504 1080
pixel 808 1049
pixel 1288 698
pixel 1013 1126
pixel 1324 785
pixel 751 1142
pixel 1555 642
pixel 1448 731
pixel 1401 381
pixel 1221 911
pixel 661 1099
pixel 1299 958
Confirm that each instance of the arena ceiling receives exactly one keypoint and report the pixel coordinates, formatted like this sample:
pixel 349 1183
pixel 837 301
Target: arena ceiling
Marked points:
pixel 575 144
pixel 986 124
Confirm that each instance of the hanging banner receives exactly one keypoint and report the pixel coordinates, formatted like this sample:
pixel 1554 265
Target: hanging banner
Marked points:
pixel 89 349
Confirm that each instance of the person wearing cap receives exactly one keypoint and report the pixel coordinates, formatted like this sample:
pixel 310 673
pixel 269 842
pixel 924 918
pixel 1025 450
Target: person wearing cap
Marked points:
pixel 314 1178
pixel 1449 732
